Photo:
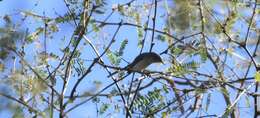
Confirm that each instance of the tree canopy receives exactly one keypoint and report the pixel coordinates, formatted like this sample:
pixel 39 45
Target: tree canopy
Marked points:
pixel 57 58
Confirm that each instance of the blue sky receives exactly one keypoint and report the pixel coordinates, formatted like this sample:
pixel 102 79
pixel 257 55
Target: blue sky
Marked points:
pixel 52 9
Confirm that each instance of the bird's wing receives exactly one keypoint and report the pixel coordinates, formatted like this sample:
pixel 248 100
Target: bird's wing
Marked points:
pixel 136 60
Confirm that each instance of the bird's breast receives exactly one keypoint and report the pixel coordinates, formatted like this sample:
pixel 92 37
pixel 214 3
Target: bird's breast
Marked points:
pixel 140 65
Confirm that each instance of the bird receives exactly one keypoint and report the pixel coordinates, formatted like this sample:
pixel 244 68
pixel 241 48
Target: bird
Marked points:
pixel 141 62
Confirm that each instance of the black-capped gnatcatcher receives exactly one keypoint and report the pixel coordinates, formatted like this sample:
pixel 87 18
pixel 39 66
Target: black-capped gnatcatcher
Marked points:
pixel 141 62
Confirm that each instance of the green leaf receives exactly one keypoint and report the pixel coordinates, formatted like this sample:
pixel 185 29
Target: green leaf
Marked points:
pixel 37 86
pixel 165 88
pixel 103 108
pixel 34 35
pixel 18 112
pixel 140 36
pixel 203 54
pixel 2 66
pixel 165 115
pixel 3 54
pixel 121 10
pixel 122 47
pixel 32 14
pixel 208 101
pixel 247 101
pixel 53 27
pixel 95 27
pixel 66 18
pixel 113 58
pixel 175 50
pixel 161 38
pixel 257 76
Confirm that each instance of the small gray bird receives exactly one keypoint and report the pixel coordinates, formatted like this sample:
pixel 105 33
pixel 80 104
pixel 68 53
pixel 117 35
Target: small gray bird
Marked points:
pixel 141 62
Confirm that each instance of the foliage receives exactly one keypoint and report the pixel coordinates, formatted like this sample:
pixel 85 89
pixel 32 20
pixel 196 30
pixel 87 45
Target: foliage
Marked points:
pixel 56 60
